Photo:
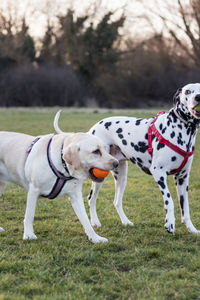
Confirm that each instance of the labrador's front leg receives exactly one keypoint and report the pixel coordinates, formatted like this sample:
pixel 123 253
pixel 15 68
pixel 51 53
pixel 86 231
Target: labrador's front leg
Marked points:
pixel 79 208
pixel 32 197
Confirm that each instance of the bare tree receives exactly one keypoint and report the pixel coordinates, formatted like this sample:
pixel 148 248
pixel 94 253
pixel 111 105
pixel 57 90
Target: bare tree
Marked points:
pixel 15 41
pixel 181 21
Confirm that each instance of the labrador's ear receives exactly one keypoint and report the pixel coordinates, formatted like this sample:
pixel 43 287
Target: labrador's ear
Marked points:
pixel 176 97
pixel 71 156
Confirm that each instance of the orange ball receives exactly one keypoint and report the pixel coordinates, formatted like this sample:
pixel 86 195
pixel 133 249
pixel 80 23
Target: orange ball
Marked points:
pixel 100 173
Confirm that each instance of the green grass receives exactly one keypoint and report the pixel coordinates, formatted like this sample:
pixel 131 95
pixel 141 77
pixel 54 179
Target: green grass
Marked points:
pixel 140 262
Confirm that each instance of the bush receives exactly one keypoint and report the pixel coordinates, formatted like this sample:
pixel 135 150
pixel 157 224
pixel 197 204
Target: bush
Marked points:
pixel 47 85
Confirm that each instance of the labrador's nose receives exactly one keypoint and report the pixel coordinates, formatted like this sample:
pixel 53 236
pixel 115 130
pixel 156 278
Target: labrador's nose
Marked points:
pixel 197 98
pixel 115 164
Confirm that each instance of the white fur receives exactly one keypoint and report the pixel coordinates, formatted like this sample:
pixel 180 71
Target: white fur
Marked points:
pixel 33 172
pixel 127 139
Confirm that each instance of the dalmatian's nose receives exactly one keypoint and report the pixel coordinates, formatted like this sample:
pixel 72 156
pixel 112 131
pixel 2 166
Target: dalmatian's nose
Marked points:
pixel 197 98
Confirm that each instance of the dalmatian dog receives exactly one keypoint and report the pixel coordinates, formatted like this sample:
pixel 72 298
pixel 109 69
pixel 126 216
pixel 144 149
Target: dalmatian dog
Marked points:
pixel 159 146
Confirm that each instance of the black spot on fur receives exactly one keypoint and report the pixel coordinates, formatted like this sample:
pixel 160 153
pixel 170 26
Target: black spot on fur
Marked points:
pixel 179 139
pixel 182 204
pixel 172 134
pixel 173 158
pixel 166 202
pixel 188 130
pixel 107 125
pixel 146 170
pixel 93 132
pixel 180 181
pixel 143 147
pixel 160 146
pixel 90 195
pixel 137 123
pixel 133 160
pixel 174 118
pixel 120 136
pixel 117 122
pixel 135 147
pixel 139 160
pixel 127 121
pixel 161 183
pixel 124 142
pixel 119 130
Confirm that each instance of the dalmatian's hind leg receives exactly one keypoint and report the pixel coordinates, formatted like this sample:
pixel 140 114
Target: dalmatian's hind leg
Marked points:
pixel 120 176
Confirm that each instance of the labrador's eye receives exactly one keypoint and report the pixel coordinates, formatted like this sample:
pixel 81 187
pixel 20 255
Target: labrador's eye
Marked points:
pixel 187 92
pixel 97 152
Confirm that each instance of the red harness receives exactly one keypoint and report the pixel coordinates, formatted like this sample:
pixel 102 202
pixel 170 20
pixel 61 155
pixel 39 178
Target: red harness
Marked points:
pixel 162 140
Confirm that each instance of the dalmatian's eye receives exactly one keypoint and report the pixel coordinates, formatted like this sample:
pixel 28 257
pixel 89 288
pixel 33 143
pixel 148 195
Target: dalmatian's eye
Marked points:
pixel 187 92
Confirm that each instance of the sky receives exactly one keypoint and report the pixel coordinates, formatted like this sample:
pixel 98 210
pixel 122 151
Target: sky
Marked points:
pixel 38 11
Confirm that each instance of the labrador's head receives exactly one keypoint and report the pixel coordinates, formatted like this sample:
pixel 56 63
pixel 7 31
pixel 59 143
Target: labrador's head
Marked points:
pixel 82 152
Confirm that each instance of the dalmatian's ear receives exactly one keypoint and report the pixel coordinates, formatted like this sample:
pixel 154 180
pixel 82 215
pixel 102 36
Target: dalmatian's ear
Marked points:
pixel 176 97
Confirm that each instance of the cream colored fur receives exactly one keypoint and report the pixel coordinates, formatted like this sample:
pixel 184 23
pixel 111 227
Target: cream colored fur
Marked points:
pixel 32 171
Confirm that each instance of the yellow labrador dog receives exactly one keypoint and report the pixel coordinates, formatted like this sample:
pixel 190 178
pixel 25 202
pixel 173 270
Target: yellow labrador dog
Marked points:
pixel 51 166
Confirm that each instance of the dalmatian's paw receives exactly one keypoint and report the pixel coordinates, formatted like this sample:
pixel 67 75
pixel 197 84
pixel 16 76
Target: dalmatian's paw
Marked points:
pixel 170 225
pixel 191 227
pixel 29 236
pixel 97 239
pixel 128 223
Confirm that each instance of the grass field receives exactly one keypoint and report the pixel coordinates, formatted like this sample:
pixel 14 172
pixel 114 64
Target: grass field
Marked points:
pixel 140 262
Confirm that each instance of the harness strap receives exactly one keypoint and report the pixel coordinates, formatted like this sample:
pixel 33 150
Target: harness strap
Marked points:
pixel 162 140
pixel 61 178
pixel 28 150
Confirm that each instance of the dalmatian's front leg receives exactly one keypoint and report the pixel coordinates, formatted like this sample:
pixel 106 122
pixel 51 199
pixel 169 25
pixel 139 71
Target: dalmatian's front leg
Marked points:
pixel 182 183
pixel 92 197
pixel 161 179
pixel 120 176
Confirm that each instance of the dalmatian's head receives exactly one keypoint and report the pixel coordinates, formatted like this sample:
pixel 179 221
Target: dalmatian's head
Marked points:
pixel 187 99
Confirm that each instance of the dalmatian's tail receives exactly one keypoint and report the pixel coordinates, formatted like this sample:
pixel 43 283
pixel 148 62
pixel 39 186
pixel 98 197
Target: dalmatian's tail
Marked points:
pixel 55 123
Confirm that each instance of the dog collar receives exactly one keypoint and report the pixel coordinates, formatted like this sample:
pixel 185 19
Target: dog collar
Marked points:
pixel 194 124
pixel 179 117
